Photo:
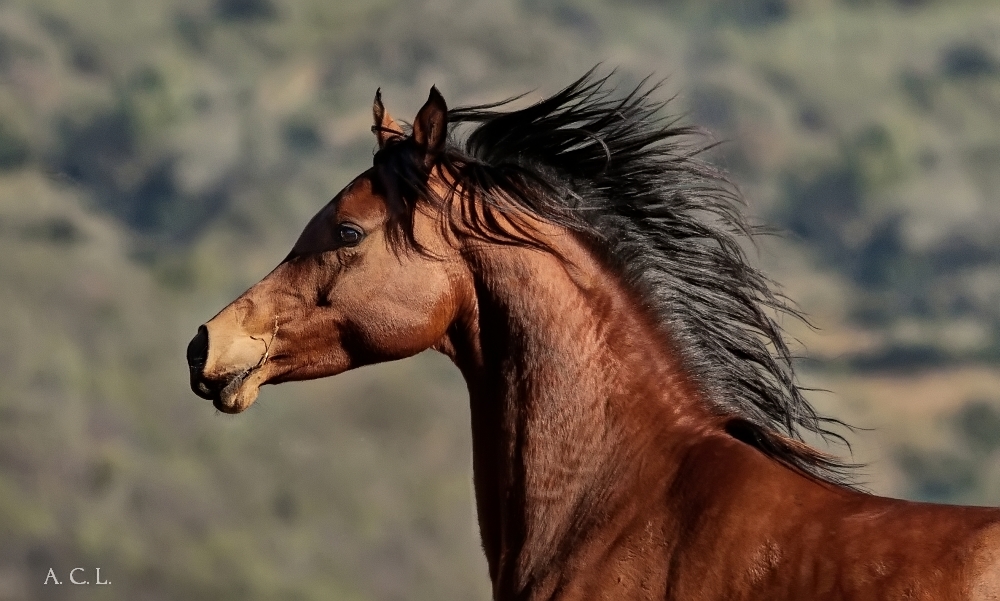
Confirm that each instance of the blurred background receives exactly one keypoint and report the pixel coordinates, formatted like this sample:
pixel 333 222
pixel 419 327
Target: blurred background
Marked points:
pixel 158 157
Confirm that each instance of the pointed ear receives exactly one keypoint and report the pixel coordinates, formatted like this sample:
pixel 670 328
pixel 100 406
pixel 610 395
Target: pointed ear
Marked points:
pixel 385 129
pixel 430 128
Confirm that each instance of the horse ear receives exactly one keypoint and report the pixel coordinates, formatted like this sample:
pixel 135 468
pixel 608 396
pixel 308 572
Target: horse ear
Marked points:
pixel 385 129
pixel 430 128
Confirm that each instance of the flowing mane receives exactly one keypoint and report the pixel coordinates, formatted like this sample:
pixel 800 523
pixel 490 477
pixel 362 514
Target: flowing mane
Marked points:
pixel 630 182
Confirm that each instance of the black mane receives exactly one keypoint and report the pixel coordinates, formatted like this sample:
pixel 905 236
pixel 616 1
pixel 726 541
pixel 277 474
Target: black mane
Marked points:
pixel 629 181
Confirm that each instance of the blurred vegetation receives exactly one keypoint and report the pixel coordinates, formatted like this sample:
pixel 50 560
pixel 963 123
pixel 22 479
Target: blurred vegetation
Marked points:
pixel 959 472
pixel 158 157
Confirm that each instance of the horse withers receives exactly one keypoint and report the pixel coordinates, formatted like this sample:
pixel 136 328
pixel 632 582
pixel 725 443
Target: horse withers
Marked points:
pixel 635 416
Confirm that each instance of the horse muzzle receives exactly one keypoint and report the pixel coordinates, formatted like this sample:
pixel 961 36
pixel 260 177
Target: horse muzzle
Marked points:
pixel 220 366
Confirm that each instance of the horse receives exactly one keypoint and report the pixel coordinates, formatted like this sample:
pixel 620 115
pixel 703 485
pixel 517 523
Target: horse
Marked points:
pixel 638 429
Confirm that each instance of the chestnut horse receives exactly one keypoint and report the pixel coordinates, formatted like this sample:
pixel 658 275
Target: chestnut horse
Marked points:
pixel 636 421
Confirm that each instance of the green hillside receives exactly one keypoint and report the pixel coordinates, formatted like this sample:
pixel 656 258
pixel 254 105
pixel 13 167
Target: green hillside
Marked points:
pixel 158 157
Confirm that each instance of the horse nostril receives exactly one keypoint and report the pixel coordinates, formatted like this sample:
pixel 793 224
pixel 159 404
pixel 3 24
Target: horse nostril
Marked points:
pixel 197 350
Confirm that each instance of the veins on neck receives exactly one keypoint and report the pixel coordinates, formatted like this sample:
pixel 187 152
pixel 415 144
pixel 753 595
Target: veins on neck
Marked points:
pixel 564 375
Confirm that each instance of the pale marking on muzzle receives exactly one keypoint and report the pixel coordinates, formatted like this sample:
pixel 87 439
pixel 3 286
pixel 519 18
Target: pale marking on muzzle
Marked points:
pixel 267 347
pixel 230 389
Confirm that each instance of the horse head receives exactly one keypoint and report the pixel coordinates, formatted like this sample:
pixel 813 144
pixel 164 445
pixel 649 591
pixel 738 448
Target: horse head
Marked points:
pixel 351 292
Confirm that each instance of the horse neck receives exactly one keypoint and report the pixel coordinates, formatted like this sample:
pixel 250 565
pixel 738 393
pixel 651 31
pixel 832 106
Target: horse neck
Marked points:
pixel 573 392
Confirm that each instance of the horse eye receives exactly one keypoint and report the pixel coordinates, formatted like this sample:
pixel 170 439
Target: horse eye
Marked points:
pixel 349 234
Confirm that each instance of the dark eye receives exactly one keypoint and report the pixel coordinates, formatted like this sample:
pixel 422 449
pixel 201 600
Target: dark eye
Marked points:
pixel 349 234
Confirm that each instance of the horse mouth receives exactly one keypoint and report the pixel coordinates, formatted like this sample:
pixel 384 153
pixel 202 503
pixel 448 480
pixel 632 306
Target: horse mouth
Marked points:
pixel 229 395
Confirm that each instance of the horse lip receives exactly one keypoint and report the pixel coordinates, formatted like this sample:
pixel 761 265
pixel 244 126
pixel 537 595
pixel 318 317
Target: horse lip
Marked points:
pixel 223 396
pixel 215 390
pixel 201 389
pixel 218 404
pixel 206 389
